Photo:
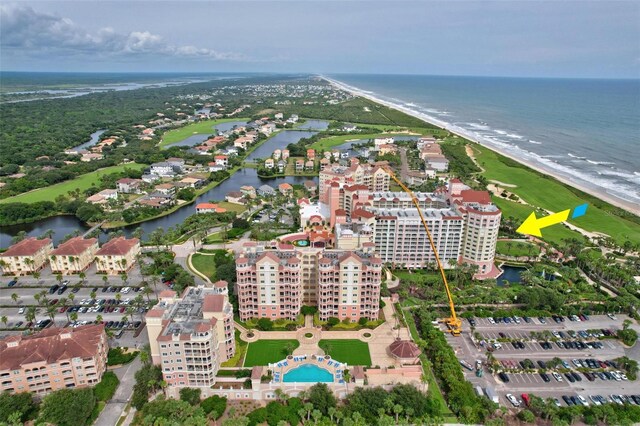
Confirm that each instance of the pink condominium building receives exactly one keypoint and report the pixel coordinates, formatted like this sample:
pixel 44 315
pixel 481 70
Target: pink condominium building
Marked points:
pixel 191 335
pixel 275 284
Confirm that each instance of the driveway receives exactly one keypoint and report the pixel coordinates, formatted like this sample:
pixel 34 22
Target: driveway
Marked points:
pixel 114 408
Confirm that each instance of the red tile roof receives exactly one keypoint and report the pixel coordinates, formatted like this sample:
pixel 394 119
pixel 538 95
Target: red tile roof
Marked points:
pixel 405 349
pixel 472 196
pixel 118 246
pixel 26 247
pixel 74 246
pixel 50 346
pixel 213 303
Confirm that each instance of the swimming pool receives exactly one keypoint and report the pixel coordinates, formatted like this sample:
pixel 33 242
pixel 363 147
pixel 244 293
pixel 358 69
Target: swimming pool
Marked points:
pixel 308 373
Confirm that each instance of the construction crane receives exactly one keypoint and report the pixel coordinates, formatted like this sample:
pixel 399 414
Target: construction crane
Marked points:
pixel 453 322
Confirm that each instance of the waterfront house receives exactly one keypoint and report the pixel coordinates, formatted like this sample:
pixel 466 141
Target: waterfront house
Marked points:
pixel 73 256
pixel 324 163
pixel 163 169
pixel 309 165
pixel 281 166
pixel 248 191
pixel 299 165
pixel 310 186
pixel 235 197
pixel 103 197
pixel 209 208
pixel 26 256
pixel 277 154
pixel 285 189
pixel 117 256
pixel 166 188
pixel 285 154
pixel 214 167
pixel 269 163
pixel 311 154
pixel 266 190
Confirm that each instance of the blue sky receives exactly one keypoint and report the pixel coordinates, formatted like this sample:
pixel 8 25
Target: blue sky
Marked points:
pixel 515 38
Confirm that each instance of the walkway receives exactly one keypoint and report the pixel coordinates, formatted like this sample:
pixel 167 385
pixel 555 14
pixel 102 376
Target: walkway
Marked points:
pixel 378 339
pixel 115 407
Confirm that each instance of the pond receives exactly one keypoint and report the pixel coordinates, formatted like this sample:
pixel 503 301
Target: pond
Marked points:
pixel 314 124
pixel 93 139
pixel 280 141
pixel 511 274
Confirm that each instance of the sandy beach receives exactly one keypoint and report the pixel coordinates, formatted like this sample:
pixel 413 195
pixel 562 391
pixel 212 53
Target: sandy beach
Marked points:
pixel 625 205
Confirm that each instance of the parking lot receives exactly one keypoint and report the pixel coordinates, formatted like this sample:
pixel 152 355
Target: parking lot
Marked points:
pixel 522 351
pixel 111 301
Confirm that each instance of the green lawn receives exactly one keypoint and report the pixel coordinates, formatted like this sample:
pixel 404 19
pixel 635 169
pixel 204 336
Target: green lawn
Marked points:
pixel 517 248
pixel 351 351
pixel 82 183
pixel 546 192
pixel 553 234
pixel 264 352
pixel 204 264
pixel 201 127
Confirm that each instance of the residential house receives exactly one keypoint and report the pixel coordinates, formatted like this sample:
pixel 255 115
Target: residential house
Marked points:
pixel 324 163
pixel 73 256
pixel 311 154
pixel 309 165
pixel 285 189
pixel 266 190
pixel 310 186
pixel 103 197
pixel 129 186
pixel 117 255
pixel 221 160
pixel 26 256
pixel 285 154
pixel 267 129
pixel 215 167
pixel 192 182
pixel 299 165
pixel 281 166
pixel 235 197
pixel 91 156
pixel 166 188
pixel 53 359
pixel 269 163
pixel 279 116
pixel 387 149
pixel 248 191
pixel 163 169
pixel 209 208
pixel 277 154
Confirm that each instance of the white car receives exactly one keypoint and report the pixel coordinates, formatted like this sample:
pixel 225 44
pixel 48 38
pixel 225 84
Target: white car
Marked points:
pixel 616 376
pixel 125 290
pixel 583 401
pixel 21 311
pixel 497 345
pixel 513 400
pixel 557 376
pixel 577 363
pixel 622 375
pixel 613 317
pixel 491 320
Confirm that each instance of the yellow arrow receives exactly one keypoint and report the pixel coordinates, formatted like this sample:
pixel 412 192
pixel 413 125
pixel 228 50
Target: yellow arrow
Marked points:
pixel 533 225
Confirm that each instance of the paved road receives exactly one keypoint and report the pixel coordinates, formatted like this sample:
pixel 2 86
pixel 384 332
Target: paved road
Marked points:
pixel 114 408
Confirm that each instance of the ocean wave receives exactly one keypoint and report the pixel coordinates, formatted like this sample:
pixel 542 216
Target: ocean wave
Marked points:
pixel 535 142
pixel 478 126
pixel 601 163
pixel 576 156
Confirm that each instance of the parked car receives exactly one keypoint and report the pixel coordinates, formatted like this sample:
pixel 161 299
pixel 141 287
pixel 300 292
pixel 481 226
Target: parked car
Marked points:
pixel 545 377
pixel 504 377
pixel 53 288
pixel 12 283
pixel 513 400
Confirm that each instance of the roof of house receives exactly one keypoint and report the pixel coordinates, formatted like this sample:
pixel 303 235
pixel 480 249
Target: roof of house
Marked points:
pixel 404 349
pixel 473 196
pixel 51 345
pixel 285 186
pixel 26 247
pixel 118 246
pixel 221 284
pixel 310 184
pixel 213 303
pixel 74 246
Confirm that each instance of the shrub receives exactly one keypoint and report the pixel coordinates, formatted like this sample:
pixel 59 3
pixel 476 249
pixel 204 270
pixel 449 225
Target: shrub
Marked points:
pixel 362 321
pixel 116 356
pixel 107 387
pixel 265 324
pixel 308 310
pixel 21 403
pixel 190 395
pixel 333 321
pixel 214 404
pixel 527 416
pixel 67 407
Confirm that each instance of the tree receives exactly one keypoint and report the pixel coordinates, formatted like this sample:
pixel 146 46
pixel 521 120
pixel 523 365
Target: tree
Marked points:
pixel 190 395
pixel 68 407
pixel 321 397
pixel 527 416
pixel 21 403
pixel 332 321
pixel 265 324
pixel 173 412
pixel 15 297
pixel 214 406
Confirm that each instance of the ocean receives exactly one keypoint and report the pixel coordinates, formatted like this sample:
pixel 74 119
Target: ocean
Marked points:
pixel 586 131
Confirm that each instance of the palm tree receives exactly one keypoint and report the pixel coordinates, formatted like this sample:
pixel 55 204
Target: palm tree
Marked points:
pixel 15 297
pixel 82 276
pixel 74 316
pixel 30 315
pixel 4 320
pixel 98 319
pixel 124 277
pixel 36 275
pixel 105 279
pixel 51 312
pixel 93 294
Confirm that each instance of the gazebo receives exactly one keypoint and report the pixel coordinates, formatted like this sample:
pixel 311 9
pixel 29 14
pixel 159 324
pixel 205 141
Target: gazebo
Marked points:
pixel 405 351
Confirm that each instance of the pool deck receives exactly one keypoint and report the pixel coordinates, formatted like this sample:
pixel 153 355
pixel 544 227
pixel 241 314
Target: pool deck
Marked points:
pixel 379 340
pixel 281 368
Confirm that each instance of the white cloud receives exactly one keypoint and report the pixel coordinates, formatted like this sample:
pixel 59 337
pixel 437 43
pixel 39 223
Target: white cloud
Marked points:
pixel 29 31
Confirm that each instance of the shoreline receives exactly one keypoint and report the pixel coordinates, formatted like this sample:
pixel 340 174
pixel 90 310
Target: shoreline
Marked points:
pixel 614 201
